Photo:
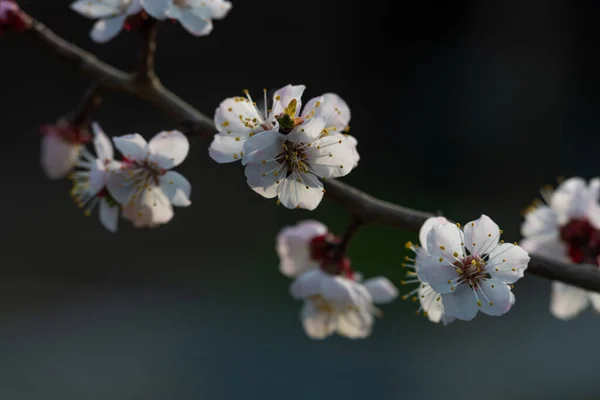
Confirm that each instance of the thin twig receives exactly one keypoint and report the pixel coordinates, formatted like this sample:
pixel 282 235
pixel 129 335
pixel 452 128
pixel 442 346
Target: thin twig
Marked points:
pixel 364 206
pixel 351 229
pixel 145 69
pixel 90 101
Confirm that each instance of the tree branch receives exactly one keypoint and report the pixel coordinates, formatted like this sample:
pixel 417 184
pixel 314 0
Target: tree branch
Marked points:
pixel 145 69
pixel 361 205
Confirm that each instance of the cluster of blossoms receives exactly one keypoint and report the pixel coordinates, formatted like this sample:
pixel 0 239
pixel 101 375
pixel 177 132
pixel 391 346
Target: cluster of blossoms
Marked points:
pixel 286 152
pixel 115 15
pixel 141 184
pixel 335 297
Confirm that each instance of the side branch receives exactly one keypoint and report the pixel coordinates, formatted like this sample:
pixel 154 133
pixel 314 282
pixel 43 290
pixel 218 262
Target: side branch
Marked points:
pixel 362 206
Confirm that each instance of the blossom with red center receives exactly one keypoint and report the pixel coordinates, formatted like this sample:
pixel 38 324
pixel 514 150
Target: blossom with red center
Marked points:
pixel 112 16
pixel 145 184
pixel 61 144
pixel 194 15
pixel 12 18
pixel 567 227
pixel 472 270
pixel 335 299
pixel 430 301
pixel 90 179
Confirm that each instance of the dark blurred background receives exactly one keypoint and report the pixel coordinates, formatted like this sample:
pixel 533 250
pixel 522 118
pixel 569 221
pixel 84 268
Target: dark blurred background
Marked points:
pixel 467 108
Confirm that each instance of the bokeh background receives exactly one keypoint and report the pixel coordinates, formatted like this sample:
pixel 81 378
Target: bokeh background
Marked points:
pixel 466 107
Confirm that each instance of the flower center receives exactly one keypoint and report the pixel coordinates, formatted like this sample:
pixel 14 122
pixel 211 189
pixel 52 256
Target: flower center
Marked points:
pixel 471 270
pixel 324 250
pixel 582 240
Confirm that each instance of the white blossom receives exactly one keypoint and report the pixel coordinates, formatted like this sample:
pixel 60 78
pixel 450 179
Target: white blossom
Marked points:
pixel 430 301
pixel 89 181
pixel 111 16
pixel 472 270
pixel 194 15
pixel 566 228
pixel 145 181
pixel 295 247
pixel 338 304
pixel 60 148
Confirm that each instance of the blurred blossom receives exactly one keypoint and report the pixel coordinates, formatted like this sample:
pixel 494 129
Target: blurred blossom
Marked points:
pixel 12 18
pixel 567 227
pixel 112 16
pixel 194 15
pixel 471 270
pixel 61 144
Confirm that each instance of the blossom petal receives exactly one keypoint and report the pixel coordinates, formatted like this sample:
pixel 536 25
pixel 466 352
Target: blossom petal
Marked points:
pixel 427 226
pixel 263 147
pixel 444 241
pixel 176 188
pixel 226 149
pixel 461 304
pixel 301 190
pixel 194 24
pixel 157 8
pixel 441 275
pixel 431 302
pixel 566 301
pixel 308 284
pixel 332 157
pixel 286 94
pixel 550 246
pixel 307 132
pixel 540 222
pixel 481 235
pixel 105 30
pixel 495 297
pixel 119 185
pixel 293 247
pixel 97 177
pixel 595 300
pixel 338 289
pixel 570 200
pixel 318 324
pixel 352 143
pixel 211 9
pixel 109 215
pixel 237 116
pixel 354 325
pixel 168 149
pixel 265 179
pixel 94 9
pixel 102 144
pixel 381 289
pixel 133 146
pixel 507 262
pixel 331 107
pixel 58 157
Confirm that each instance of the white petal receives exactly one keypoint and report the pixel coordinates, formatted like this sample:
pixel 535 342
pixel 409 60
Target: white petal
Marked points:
pixel 570 200
pixel 58 157
pixel 352 143
pixel 98 177
pixel 263 147
pixel 210 9
pixel 331 157
pixel 307 132
pixel 169 149
pixel 119 185
pixel 286 94
pixel 595 299
pixel 238 117
pixel 481 235
pixel 354 324
pixel 176 188
pixel 442 276
pixel 331 107
pixel 495 297
pixel 540 222
pixel 105 30
pixel 431 303
pixel 567 301
pixel 293 247
pixel 157 8
pixel 102 144
pixel 461 304
pixel 444 241
pixel 507 263
pixel 194 24
pixel 318 324
pixel 550 246
pixel 338 289
pixel 94 9
pixel 226 149
pixel 301 190
pixel 132 146
pixel 381 290
pixel 426 227
pixel 308 284
pixel 264 179
pixel 151 209
pixel 109 215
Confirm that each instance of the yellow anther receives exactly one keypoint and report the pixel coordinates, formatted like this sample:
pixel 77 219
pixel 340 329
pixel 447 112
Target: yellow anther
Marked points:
pixel 458 225
pixel 414 298
pixel 278 202
pixel 497 270
pixel 442 248
pixel 237 139
pixel 441 259
pixel 404 297
pixel 277 97
pixel 473 262
pixel 235 156
pixel 489 235
pixel 501 231
pixel 491 304
pixel 474 244
pixel 452 288
pixel 449 281
pixel 493 286
pixel 225 123
pixel 472 223
pixel 515 243
pixel 455 254
pixel 408 245
pixel 513 270
pixel 275 173
pixel 425 313
pixel 479 303
pixel 403 282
